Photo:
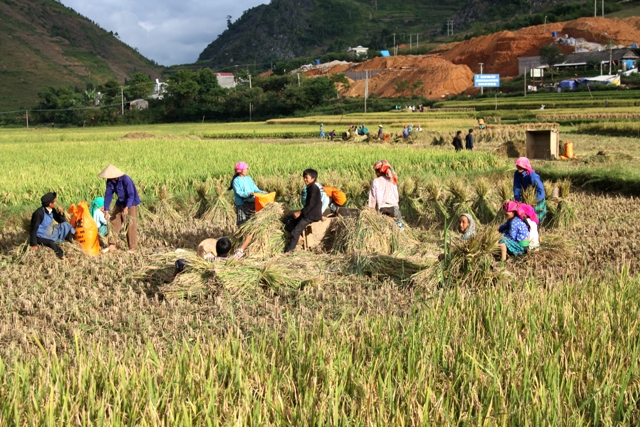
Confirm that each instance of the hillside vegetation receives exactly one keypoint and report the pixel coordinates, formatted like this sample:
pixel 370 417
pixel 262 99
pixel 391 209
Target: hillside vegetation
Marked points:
pixel 43 43
pixel 285 29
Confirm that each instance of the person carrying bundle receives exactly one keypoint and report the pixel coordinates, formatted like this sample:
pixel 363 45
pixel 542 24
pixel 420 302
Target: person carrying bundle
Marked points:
pixel 44 232
pixel 515 232
pixel 126 208
pixel 525 177
pixel 383 194
pixel 311 212
pixel 244 190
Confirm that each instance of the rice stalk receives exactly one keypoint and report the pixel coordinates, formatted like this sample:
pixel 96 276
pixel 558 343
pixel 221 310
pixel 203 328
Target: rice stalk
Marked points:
pixel 565 188
pixel 482 208
pixel 266 231
pixel 385 266
pixel 458 202
pixel 563 216
pixel 529 196
pixel 505 192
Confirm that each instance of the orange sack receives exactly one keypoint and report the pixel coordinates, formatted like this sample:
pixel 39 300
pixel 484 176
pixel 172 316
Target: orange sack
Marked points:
pixel 263 200
pixel 338 196
pixel 86 228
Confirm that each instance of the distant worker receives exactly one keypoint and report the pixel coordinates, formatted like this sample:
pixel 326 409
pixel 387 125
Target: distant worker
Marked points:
pixel 380 132
pixel 525 177
pixel 405 132
pixel 481 123
pixel 322 135
pixel 542 107
pixel 457 141
pixel 469 140
pixel 332 134
pixel 43 230
pixel 419 128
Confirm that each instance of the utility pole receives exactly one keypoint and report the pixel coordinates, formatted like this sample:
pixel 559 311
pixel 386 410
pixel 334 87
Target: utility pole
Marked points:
pixel 394 44
pixel 525 81
pixel 249 81
pixel 449 27
pixel 417 42
pixel 250 104
pixel 481 88
pixel 603 8
pixel 595 8
pixel 298 74
pixel 410 39
pixel 610 56
pixel 366 89
pixel 122 98
pixel 27 115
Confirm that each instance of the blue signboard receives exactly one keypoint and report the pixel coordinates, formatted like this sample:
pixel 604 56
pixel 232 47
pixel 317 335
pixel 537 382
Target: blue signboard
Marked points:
pixel 384 53
pixel 486 80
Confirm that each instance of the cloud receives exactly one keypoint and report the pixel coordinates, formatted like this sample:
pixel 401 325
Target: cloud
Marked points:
pixel 168 31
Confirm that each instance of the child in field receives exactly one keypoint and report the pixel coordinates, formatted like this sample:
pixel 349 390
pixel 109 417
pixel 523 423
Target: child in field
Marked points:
pixel 211 250
pixel 97 213
pixel 466 226
pixel 243 193
pixel 515 232
pixel 311 212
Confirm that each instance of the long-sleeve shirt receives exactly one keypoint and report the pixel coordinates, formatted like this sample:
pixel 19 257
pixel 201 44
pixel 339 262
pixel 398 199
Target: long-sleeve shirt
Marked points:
pixel 383 193
pixel 40 220
pixel 312 209
pixel 515 229
pixel 524 180
pixel 124 189
pixel 243 186
pixel 101 222
pixel 457 142
pixel 323 196
pixel 469 141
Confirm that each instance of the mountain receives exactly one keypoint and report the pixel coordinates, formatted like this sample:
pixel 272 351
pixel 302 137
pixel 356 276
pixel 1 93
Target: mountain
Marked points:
pixel 44 43
pixel 285 29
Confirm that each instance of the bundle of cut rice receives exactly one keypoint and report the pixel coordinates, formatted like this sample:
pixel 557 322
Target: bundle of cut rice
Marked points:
pixel 458 202
pixel 482 206
pixel 563 216
pixel 432 196
pixel 385 266
pixel 373 232
pixel 266 231
pixel 220 210
pixel 468 263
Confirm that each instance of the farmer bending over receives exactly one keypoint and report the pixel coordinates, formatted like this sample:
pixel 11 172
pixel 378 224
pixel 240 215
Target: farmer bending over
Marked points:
pixel 43 230
pixel 525 177
pixel 311 212
pixel 126 209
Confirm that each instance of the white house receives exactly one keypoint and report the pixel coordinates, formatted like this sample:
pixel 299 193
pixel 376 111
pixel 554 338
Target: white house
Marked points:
pixel 358 50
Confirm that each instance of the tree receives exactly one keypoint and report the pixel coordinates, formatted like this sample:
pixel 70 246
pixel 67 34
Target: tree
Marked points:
pixel 140 86
pixel 551 55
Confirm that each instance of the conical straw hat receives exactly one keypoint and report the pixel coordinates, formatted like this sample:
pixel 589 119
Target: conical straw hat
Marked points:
pixel 110 172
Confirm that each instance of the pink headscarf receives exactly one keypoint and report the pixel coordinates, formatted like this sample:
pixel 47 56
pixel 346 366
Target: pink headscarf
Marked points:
pixel 525 210
pixel 241 166
pixel 510 206
pixel 525 164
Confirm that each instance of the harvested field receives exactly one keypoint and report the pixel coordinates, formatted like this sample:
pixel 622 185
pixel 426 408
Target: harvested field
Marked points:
pixel 342 332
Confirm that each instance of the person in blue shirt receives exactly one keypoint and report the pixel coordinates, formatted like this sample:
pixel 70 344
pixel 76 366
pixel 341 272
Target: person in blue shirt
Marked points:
pixel 515 232
pixel 243 193
pixel 44 232
pixel 125 210
pixel 525 177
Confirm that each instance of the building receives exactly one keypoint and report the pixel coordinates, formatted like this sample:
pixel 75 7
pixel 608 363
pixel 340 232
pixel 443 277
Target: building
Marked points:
pixel 358 50
pixel 226 80
pixel 578 59
pixel 137 104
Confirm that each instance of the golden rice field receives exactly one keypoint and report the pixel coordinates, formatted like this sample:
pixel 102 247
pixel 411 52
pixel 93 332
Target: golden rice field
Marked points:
pixel 371 329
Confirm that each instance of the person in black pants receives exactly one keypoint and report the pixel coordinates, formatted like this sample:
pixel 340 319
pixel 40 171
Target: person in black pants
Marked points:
pixel 469 140
pixel 311 212
pixel 45 231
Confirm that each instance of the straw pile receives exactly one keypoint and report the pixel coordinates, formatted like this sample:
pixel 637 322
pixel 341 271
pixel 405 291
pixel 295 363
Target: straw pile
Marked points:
pixel 373 233
pixel 266 231
pixel 219 210
pixel 482 207
pixel 381 267
pixel 468 263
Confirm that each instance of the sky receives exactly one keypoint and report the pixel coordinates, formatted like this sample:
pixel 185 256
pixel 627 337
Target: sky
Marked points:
pixel 169 32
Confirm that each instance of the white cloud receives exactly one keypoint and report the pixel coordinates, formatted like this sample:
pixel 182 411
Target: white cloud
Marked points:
pixel 168 31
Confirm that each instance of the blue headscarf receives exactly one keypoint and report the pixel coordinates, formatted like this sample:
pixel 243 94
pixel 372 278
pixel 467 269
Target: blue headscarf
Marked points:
pixel 97 203
pixel 471 229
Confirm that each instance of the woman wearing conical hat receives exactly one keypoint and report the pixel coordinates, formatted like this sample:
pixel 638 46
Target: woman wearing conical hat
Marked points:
pixel 126 207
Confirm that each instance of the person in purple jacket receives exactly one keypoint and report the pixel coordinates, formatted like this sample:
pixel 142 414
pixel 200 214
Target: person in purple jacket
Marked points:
pixel 126 207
